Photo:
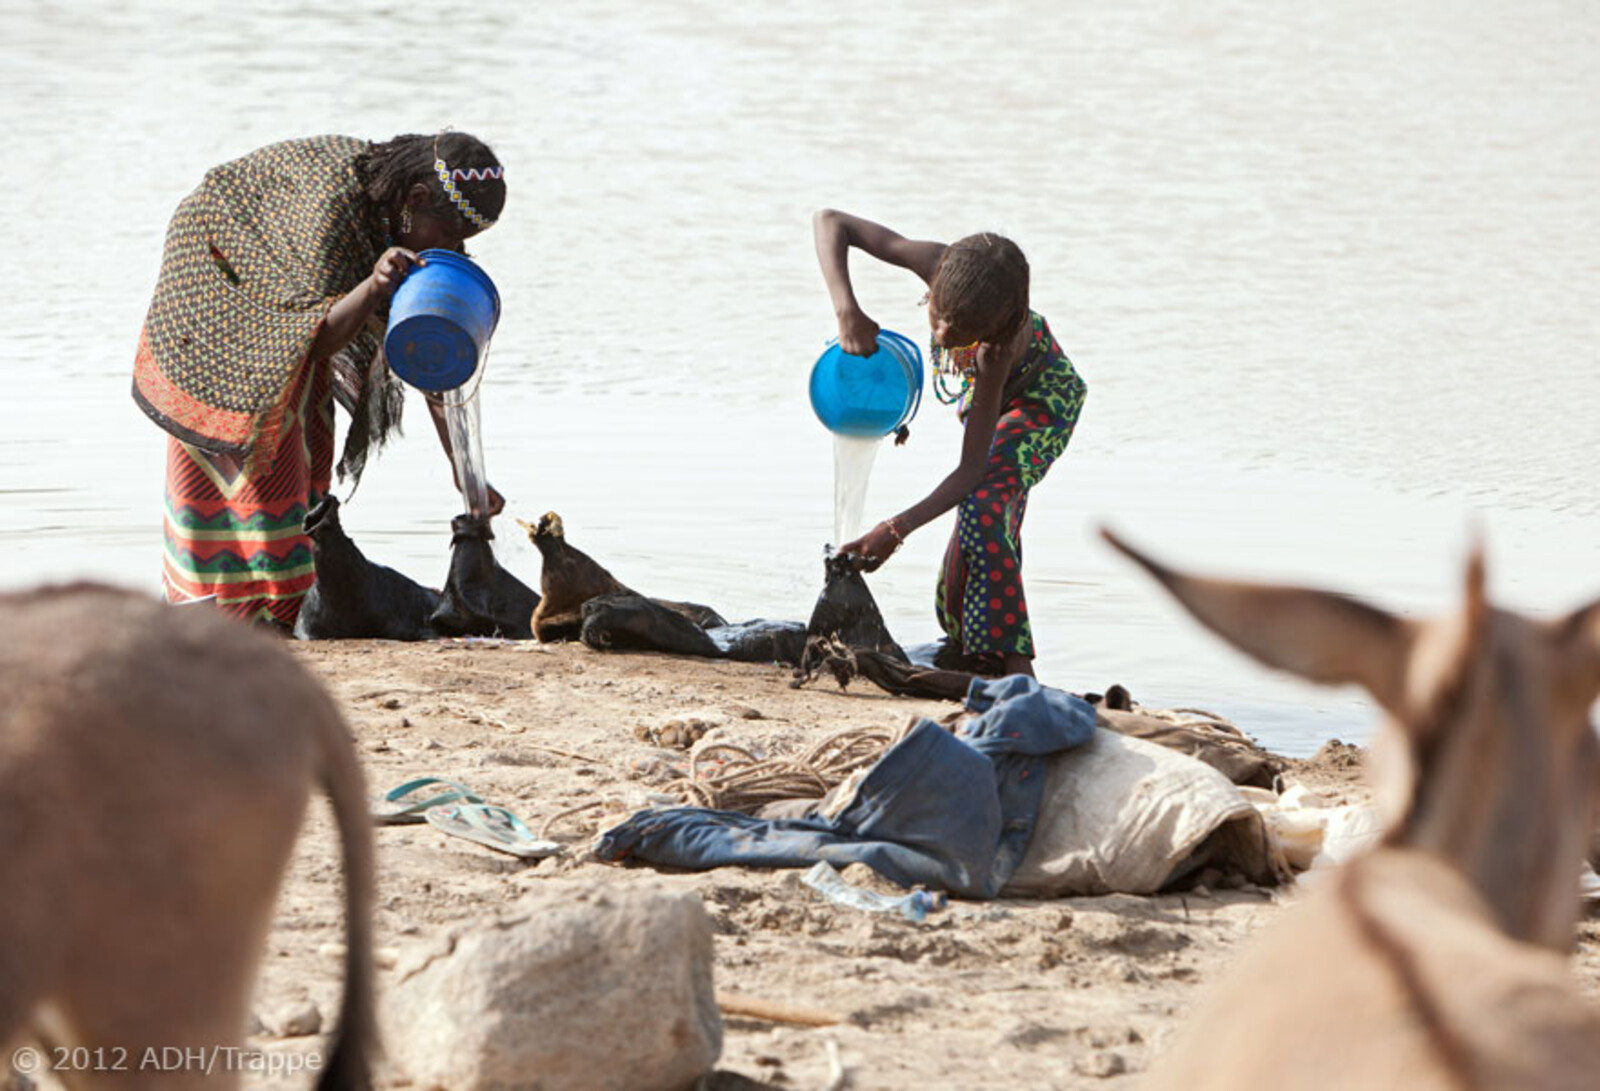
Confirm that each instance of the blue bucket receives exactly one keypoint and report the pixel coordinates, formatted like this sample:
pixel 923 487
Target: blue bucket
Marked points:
pixel 868 395
pixel 440 321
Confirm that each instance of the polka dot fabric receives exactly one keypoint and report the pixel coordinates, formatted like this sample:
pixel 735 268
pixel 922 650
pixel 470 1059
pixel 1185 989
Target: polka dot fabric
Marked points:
pixel 980 600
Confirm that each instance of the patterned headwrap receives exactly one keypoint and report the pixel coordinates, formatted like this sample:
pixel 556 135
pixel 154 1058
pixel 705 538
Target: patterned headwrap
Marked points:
pixel 447 179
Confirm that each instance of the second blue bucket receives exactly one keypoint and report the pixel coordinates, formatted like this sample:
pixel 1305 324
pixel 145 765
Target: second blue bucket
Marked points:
pixel 868 395
pixel 440 321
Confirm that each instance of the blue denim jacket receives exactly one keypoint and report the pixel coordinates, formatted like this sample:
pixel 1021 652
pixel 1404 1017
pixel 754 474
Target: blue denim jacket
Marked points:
pixel 951 812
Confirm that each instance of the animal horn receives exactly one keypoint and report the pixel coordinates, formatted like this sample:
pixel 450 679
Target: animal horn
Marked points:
pixel 1579 632
pixel 1441 667
pixel 1477 604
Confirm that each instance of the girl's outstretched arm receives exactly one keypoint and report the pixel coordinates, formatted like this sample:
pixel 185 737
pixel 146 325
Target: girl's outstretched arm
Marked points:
pixel 835 233
pixel 875 546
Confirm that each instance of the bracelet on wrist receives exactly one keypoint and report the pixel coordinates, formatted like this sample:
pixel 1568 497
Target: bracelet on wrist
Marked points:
pixel 893 528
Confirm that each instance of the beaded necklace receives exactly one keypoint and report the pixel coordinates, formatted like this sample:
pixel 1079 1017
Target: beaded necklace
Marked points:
pixel 949 365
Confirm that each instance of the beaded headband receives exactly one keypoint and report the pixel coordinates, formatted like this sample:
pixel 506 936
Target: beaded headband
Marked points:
pixel 447 179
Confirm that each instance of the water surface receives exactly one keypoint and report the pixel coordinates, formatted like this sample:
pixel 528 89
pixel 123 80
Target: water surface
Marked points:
pixel 1328 271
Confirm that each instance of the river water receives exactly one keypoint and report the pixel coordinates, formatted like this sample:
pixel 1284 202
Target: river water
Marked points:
pixel 1329 271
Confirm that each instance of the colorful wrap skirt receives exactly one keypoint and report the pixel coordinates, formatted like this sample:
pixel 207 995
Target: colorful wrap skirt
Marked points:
pixel 979 599
pixel 239 534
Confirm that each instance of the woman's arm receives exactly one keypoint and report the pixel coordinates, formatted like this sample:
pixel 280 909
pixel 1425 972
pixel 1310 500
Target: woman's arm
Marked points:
pixel 875 546
pixel 835 233
pixel 346 317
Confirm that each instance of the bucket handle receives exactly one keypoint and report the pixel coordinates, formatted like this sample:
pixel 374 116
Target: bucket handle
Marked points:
pixel 902 341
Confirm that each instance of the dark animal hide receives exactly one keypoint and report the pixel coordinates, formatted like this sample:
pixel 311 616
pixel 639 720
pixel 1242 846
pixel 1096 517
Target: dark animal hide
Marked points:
pixel 480 598
pixel 354 598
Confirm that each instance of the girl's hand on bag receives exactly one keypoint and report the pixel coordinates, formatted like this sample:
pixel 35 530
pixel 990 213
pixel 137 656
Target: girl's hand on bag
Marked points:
pixel 858 334
pixel 874 547
pixel 392 266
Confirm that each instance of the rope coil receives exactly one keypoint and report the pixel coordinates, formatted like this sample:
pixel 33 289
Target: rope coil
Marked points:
pixel 746 783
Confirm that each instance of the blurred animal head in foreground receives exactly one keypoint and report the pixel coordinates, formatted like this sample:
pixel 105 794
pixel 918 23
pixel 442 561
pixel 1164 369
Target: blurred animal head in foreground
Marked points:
pixel 1432 961
pixel 1487 759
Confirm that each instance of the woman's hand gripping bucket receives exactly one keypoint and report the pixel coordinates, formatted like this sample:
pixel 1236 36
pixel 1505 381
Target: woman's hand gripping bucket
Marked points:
pixel 867 396
pixel 861 399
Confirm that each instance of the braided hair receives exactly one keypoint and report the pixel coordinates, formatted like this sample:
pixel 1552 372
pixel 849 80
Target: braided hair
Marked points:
pixel 981 286
pixel 389 170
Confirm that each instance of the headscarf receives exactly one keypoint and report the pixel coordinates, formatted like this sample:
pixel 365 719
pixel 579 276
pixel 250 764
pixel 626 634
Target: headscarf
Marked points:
pixel 254 259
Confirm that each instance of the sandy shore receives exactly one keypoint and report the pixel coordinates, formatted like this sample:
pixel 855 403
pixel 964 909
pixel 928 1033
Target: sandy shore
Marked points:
pixel 1067 993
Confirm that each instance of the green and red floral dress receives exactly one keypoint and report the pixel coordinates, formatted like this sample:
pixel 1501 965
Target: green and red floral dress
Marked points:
pixel 980 600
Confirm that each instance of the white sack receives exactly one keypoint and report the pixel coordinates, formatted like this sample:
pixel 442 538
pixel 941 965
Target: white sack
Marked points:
pixel 1121 814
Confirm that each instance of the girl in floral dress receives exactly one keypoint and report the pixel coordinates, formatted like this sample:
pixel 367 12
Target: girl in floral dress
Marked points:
pixel 1018 397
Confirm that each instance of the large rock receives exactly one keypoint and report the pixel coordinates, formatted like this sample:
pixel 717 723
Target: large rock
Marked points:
pixel 574 988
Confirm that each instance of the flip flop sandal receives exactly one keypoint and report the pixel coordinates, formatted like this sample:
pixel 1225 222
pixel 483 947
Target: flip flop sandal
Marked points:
pixel 491 826
pixel 405 805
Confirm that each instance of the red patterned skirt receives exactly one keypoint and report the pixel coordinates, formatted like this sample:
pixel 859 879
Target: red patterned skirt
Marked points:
pixel 240 535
